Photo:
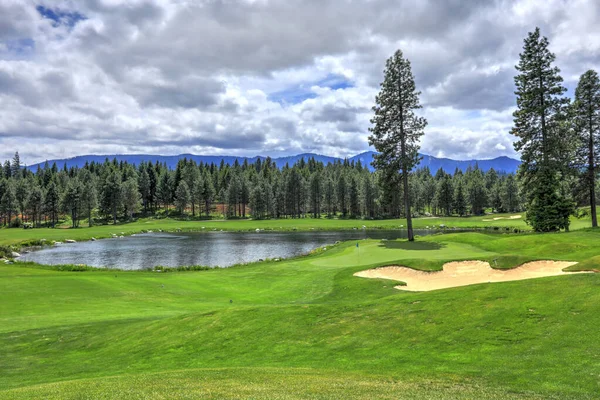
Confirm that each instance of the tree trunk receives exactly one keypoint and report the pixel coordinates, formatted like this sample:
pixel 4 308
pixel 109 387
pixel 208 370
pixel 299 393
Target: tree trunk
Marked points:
pixel 591 172
pixel 409 226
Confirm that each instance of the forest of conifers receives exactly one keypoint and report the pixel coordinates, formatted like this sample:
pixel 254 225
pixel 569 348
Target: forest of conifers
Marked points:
pixel 115 191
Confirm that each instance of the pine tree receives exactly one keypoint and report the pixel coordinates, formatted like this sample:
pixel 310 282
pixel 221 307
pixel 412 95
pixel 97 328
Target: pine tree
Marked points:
pixel 510 195
pixel 8 202
pixel 329 197
pixel 315 194
pixel 397 129
pixel 22 194
pixel 538 125
pixel 444 197
pixel 130 196
pixel 164 191
pixel 476 192
pixel 36 204
pixel 182 197
pixel 71 201
pixel 89 199
pixel 15 167
pixel 208 193
pixel 52 201
pixel 586 112
pixel 112 194
pixel 144 185
pixel 340 194
pixel 460 201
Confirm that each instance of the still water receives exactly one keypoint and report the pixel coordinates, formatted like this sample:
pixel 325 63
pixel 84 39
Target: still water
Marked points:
pixel 213 249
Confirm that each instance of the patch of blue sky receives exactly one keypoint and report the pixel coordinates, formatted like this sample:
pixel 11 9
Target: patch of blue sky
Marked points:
pixel 298 93
pixel 335 82
pixel 18 48
pixel 60 17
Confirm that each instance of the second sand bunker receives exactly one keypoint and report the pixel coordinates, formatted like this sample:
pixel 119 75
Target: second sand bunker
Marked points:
pixel 462 273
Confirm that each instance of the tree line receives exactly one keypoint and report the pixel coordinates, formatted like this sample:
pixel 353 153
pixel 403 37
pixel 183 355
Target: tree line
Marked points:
pixel 117 191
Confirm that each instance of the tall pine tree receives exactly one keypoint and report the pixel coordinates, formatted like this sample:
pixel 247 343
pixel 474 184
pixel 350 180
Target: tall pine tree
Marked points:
pixel 396 128
pixel 539 126
pixel 586 113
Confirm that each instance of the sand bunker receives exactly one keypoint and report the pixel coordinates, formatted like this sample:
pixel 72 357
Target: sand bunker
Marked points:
pixel 464 273
pixel 498 218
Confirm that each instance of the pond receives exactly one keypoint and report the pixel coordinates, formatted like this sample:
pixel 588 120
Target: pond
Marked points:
pixel 213 249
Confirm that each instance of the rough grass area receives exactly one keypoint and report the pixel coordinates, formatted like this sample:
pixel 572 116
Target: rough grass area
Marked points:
pixel 306 328
pixel 266 383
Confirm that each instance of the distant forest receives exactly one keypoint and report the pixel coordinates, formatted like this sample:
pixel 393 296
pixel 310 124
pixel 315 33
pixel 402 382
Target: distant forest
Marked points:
pixel 117 191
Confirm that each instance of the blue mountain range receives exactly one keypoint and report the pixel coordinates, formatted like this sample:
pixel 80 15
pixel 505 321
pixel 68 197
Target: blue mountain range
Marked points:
pixel 500 164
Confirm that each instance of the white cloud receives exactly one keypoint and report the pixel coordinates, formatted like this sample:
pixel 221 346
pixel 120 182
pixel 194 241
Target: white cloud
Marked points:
pixel 267 77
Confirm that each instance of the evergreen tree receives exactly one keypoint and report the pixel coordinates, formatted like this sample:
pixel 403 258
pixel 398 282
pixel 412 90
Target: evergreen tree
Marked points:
pixel 22 195
pixel 71 201
pixel 36 204
pixel 7 169
pixel 368 196
pixel 182 197
pixel 315 194
pixel 510 195
pixel 340 194
pixel 89 199
pixel 538 123
pixel 329 197
pixel 353 198
pixel 397 129
pixel 208 193
pixel 8 202
pixel 495 195
pixel 15 167
pixel 197 193
pixel 52 202
pixel 476 192
pixel 586 112
pixel 164 191
pixel 460 200
pixel 144 185
pixel 130 196
pixel 444 197
pixel 112 194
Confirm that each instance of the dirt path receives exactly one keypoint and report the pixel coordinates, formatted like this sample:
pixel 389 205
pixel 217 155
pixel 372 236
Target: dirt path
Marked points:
pixel 462 273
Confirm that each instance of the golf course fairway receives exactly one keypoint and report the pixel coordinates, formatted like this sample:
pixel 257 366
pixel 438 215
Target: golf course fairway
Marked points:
pixel 308 328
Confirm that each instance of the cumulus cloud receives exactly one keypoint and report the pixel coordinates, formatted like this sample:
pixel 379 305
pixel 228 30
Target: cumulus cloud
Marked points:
pixel 271 77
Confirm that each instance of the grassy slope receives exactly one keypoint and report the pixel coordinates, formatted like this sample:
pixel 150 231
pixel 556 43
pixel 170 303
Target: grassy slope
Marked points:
pixel 306 326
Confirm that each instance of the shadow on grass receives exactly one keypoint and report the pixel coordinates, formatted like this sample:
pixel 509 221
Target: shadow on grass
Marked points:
pixel 406 245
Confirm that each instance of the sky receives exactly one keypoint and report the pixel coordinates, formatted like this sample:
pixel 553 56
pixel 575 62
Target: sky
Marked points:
pixel 268 77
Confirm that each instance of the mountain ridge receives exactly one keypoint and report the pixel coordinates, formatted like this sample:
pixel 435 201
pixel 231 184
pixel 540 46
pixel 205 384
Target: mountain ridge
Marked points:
pixel 500 164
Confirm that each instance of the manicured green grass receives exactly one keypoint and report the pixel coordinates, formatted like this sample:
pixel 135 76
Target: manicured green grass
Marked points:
pixel 307 328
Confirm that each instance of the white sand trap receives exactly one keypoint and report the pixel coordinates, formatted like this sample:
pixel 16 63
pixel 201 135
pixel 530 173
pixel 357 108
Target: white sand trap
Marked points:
pixel 463 273
pixel 498 218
